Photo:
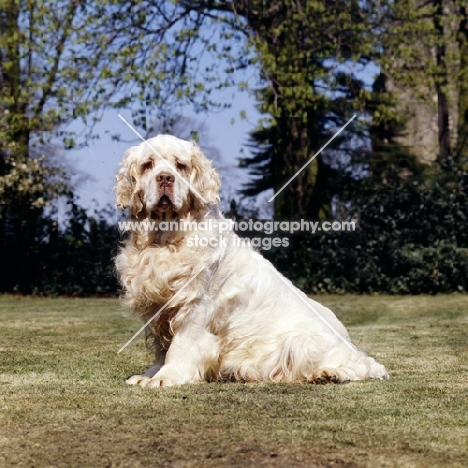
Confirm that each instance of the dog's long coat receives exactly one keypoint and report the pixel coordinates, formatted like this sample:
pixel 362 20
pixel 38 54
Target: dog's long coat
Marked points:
pixel 227 313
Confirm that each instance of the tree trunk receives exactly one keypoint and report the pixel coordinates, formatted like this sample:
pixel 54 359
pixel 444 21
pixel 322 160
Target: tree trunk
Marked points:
pixel 17 120
pixel 462 143
pixel 21 216
pixel 441 85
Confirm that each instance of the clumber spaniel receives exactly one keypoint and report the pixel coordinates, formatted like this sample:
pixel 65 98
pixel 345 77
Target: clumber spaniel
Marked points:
pixel 222 311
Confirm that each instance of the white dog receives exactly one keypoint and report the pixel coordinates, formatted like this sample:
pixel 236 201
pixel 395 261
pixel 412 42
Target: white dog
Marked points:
pixel 222 311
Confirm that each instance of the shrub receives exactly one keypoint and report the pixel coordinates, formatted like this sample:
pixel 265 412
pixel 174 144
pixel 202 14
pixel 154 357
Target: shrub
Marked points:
pixel 411 238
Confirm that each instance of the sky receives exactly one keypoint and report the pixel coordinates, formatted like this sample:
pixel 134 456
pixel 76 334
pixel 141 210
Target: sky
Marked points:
pixel 97 164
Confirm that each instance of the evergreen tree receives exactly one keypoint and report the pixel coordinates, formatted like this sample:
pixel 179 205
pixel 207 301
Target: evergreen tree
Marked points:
pixel 307 52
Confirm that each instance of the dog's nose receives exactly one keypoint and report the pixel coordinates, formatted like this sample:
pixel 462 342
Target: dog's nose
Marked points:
pixel 165 178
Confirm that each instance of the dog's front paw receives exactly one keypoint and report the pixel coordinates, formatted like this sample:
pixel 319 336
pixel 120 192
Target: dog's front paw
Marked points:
pixel 162 381
pixel 142 379
pixel 167 377
pixel 137 380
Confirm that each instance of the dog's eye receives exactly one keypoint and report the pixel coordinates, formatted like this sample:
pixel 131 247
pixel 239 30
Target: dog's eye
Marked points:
pixel 181 166
pixel 147 166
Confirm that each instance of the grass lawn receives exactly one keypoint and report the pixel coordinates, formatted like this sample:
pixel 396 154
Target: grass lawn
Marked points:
pixel 64 402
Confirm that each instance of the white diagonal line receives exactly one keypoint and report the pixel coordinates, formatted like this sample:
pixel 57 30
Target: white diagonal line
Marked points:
pixel 310 306
pixel 135 131
pixel 313 157
pixel 160 310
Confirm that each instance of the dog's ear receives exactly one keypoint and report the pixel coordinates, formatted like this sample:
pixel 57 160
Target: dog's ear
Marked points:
pixel 204 178
pixel 126 190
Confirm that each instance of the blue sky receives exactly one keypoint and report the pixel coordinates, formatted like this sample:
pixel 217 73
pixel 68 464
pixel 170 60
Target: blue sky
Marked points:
pixel 98 163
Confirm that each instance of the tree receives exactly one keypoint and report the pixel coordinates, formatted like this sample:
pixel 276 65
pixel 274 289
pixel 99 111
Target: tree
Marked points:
pixel 425 55
pixel 389 158
pixel 306 93
pixel 62 61
pixel 66 60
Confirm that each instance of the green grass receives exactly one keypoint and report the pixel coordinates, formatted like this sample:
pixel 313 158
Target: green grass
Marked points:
pixel 64 402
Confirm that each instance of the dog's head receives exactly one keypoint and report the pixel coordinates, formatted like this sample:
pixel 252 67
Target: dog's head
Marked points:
pixel 166 178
